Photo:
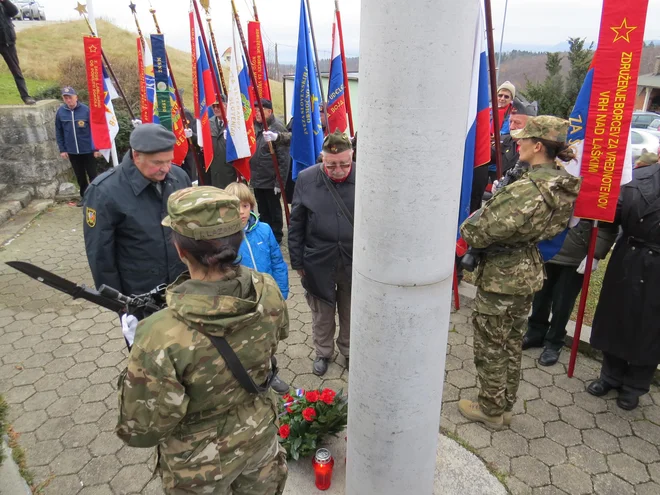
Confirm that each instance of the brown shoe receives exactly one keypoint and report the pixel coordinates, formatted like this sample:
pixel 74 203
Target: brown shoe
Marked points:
pixel 507 416
pixel 472 411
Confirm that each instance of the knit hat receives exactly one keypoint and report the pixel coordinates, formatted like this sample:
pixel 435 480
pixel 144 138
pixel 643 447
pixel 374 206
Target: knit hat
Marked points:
pixel 508 85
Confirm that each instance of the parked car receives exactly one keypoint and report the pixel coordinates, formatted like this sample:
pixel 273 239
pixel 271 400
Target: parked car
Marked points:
pixel 20 6
pixel 641 120
pixel 643 140
pixel 30 10
pixel 655 125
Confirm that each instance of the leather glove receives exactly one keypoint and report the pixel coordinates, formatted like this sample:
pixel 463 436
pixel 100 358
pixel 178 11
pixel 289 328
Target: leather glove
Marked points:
pixel 277 190
pixel 270 136
pixel 188 133
pixel 129 324
pixel 583 266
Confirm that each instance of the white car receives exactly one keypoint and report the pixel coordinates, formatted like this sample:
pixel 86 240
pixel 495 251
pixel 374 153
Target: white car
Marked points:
pixel 643 140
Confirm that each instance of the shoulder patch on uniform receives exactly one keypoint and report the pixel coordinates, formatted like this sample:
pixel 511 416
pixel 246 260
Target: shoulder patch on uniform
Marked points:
pixel 90 216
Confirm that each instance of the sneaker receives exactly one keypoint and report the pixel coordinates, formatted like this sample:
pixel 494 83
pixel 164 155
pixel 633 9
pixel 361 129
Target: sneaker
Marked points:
pixel 279 386
pixel 507 416
pixel 320 366
pixel 472 411
pixel 29 101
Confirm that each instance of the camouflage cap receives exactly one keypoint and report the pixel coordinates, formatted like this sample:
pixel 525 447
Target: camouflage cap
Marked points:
pixel 203 213
pixel 647 158
pixel 337 142
pixel 543 127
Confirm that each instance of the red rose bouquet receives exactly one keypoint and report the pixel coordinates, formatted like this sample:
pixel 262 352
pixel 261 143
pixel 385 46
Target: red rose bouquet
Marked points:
pixel 308 417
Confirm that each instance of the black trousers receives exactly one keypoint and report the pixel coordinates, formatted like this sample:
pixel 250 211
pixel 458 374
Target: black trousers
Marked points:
pixel 11 58
pixel 84 166
pixel 557 296
pixel 630 378
pixel 479 183
pixel 270 210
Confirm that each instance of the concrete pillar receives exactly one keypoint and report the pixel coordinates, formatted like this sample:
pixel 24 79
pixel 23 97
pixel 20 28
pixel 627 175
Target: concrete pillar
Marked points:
pixel 647 98
pixel 415 71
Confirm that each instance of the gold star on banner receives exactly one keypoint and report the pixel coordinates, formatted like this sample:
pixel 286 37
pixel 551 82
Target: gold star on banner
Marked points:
pixel 623 31
pixel 92 48
pixel 82 9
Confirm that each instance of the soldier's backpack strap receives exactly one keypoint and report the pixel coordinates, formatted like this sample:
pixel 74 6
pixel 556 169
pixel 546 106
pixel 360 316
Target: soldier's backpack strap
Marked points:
pixel 238 370
pixel 335 195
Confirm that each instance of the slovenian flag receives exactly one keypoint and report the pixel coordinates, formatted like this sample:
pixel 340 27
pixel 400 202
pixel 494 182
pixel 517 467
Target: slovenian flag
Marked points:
pixel 336 108
pixel 109 93
pixel 477 141
pixel 241 139
pixel 203 91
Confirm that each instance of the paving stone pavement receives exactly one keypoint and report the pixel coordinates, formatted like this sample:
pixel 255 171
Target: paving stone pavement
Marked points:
pixel 60 358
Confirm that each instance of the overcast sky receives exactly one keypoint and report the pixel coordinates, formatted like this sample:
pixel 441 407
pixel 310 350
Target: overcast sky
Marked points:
pixel 529 22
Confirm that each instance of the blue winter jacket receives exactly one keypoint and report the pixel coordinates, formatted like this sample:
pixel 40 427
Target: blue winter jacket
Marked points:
pixel 260 251
pixel 72 130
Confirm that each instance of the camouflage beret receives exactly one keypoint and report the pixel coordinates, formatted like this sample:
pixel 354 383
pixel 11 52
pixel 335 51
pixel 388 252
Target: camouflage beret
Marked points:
pixel 203 213
pixel 152 138
pixel 337 142
pixel 647 158
pixel 543 127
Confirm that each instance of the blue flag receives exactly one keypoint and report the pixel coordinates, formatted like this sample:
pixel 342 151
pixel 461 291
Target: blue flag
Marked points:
pixel 307 131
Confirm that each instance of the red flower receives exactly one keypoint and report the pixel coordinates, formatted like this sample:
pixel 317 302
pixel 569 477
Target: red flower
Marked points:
pixel 284 431
pixel 312 396
pixel 288 409
pixel 328 395
pixel 309 414
pixel 287 398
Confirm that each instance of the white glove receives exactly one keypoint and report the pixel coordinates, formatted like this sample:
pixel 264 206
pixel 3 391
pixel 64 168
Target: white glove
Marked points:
pixel 277 190
pixel 496 184
pixel 188 133
pixel 129 324
pixel 224 134
pixel 270 136
pixel 136 122
pixel 583 266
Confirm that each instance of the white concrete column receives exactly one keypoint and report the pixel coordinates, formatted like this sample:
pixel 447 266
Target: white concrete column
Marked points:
pixel 647 98
pixel 415 70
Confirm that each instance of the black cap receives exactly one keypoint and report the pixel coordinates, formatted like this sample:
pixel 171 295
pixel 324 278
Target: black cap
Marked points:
pixel 265 103
pixel 152 138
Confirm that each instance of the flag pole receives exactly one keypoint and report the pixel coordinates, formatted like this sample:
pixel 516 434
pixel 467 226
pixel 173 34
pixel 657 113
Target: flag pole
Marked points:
pixel 223 85
pixel 318 67
pixel 493 86
pixel 347 93
pixel 273 156
pixel 177 95
pixel 583 297
pixel 457 299
pixel 499 55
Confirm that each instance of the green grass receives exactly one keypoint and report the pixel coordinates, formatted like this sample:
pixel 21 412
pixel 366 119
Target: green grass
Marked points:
pixel 9 94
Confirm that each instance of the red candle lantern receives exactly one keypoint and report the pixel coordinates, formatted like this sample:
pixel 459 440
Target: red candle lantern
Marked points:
pixel 323 464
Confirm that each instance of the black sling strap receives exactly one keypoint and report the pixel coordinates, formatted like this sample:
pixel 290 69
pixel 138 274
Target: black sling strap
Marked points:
pixel 335 195
pixel 238 370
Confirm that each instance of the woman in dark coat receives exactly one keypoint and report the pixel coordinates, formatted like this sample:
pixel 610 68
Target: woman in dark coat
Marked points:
pixel 627 322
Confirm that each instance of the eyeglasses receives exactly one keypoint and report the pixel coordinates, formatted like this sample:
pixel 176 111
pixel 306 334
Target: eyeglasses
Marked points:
pixel 504 97
pixel 334 166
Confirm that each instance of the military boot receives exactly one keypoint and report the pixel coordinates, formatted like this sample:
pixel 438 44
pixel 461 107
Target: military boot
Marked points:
pixel 471 410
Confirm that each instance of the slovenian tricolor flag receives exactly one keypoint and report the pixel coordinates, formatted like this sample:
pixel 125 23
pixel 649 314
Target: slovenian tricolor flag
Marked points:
pixel 477 141
pixel 336 108
pixel 203 91
pixel 109 93
pixel 241 139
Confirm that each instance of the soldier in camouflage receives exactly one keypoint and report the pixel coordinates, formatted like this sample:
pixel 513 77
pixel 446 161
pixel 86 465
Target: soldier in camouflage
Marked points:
pixel 177 392
pixel 536 207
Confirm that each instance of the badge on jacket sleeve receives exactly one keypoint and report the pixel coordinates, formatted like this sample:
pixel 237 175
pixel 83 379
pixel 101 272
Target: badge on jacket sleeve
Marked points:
pixel 90 216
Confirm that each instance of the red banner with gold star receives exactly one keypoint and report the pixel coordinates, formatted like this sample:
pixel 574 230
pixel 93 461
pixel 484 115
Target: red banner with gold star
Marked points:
pixel 616 67
pixel 97 118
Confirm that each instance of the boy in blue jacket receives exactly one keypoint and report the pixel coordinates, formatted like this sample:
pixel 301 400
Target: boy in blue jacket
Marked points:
pixel 259 250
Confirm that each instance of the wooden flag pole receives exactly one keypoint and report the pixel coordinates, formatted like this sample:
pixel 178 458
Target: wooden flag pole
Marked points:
pixel 493 87
pixel 583 297
pixel 347 93
pixel 318 67
pixel 256 18
pixel 264 124
pixel 223 85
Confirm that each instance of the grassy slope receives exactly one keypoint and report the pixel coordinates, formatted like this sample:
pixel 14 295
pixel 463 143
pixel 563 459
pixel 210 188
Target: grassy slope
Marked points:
pixel 43 48
pixel 9 94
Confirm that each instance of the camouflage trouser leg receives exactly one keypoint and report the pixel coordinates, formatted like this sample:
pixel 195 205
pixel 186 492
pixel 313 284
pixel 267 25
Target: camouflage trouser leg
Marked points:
pixel 499 325
pixel 265 473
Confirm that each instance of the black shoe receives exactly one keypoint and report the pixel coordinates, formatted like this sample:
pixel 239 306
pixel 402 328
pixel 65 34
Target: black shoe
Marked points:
pixel 549 357
pixel 320 366
pixel 79 203
pixel 279 386
pixel 627 402
pixel 528 343
pixel 29 101
pixel 599 388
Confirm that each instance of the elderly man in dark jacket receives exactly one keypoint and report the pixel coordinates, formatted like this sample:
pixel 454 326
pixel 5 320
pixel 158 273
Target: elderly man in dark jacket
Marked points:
pixel 127 247
pixel 563 282
pixel 625 326
pixel 8 48
pixel 263 181
pixel 321 244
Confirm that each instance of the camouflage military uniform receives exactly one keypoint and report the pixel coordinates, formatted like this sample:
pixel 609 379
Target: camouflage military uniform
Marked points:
pixel 536 207
pixel 177 392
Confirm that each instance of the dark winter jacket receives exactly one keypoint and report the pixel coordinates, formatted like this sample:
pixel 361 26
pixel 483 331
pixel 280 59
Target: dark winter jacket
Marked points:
pixel 261 252
pixel 626 320
pixel 576 244
pixel 320 235
pixel 222 173
pixel 261 163
pixel 127 247
pixel 72 130
pixel 7 32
